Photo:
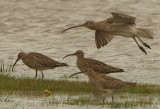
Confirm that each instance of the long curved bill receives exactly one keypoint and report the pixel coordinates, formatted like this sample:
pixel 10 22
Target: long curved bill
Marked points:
pixel 82 25
pixel 75 74
pixel 78 73
pixel 69 55
pixel 14 64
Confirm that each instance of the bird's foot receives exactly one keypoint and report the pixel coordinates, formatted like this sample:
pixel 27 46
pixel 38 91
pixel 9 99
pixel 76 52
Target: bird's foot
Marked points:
pixel 142 49
pixel 112 99
pixel 146 45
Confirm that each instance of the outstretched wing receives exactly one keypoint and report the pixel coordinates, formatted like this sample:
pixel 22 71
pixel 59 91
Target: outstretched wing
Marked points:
pixel 102 38
pixel 122 19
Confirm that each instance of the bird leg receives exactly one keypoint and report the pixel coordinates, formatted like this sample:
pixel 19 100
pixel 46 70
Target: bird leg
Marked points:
pixel 112 98
pixel 103 97
pixel 36 74
pixel 140 47
pixel 145 44
pixel 42 75
pixel 111 93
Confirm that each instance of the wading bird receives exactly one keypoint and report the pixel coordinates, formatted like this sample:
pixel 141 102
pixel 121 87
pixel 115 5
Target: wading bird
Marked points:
pixel 38 61
pixel 105 83
pixel 119 24
pixel 87 63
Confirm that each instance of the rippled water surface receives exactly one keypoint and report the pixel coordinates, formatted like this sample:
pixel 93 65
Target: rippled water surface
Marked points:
pixel 36 25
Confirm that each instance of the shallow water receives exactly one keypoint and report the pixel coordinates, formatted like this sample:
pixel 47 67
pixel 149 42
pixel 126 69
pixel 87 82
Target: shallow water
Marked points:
pixel 36 25
pixel 50 102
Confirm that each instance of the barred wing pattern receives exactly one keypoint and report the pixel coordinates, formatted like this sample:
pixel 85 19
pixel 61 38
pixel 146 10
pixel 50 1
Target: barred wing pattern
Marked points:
pixel 102 38
pixel 119 18
pixel 113 83
pixel 43 61
pixel 100 66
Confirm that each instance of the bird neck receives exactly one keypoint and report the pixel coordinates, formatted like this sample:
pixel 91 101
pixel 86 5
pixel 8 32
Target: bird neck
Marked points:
pixel 97 26
pixel 91 74
pixel 24 56
pixel 92 77
pixel 80 57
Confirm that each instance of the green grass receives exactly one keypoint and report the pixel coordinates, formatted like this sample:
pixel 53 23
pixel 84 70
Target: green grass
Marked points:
pixel 28 86
pixel 143 89
pixel 9 84
pixel 4 68
pixel 12 84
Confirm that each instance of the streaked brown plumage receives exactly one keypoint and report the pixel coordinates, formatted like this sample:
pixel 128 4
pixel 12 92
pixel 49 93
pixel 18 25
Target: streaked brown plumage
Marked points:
pixel 38 61
pixel 87 63
pixel 105 83
pixel 119 24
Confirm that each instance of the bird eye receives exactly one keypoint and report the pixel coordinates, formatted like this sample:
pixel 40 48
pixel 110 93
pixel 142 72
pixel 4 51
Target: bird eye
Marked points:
pixel 87 23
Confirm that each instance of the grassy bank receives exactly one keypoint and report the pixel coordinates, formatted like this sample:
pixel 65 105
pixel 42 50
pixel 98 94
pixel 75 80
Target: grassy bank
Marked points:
pixel 27 86
pixel 62 86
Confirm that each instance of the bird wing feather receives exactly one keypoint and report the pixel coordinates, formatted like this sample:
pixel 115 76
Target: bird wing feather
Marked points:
pixel 112 83
pixel 44 60
pixel 100 66
pixel 102 38
pixel 119 18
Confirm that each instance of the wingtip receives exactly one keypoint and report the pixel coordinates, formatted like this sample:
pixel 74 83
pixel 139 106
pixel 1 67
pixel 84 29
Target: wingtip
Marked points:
pixel 63 31
pixel 134 84
pixel 113 13
pixel 122 70
pixel 64 64
pixel 98 47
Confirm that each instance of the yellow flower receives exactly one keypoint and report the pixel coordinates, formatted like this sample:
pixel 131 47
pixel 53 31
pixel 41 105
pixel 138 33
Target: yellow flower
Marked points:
pixel 47 91
pixel 85 82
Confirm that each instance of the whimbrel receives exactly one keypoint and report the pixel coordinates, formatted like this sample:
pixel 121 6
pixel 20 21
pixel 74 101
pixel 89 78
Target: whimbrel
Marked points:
pixel 105 83
pixel 119 24
pixel 38 61
pixel 87 63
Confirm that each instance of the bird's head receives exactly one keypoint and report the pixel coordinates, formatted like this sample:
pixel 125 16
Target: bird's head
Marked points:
pixel 78 53
pixel 20 56
pixel 89 71
pixel 87 24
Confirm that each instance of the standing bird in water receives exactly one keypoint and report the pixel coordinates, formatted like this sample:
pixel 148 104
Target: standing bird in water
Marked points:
pixel 106 83
pixel 119 24
pixel 87 63
pixel 38 61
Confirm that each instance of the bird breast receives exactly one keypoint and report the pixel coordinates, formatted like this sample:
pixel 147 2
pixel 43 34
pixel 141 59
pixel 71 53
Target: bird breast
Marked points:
pixel 80 64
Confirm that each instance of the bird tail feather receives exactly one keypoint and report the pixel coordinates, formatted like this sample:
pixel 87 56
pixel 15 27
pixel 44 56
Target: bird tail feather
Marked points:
pixel 64 64
pixel 132 84
pixel 145 33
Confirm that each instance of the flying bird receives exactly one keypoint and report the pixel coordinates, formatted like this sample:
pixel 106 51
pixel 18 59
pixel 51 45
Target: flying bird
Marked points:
pixel 118 25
